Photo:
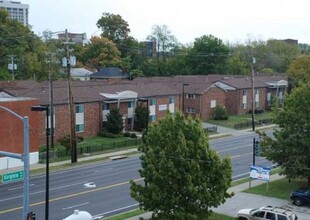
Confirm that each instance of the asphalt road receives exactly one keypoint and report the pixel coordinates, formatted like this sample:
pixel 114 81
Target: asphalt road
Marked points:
pixel 103 189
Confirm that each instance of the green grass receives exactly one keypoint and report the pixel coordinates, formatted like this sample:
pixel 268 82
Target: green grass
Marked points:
pixel 279 189
pixel 214 216
pixel 236 119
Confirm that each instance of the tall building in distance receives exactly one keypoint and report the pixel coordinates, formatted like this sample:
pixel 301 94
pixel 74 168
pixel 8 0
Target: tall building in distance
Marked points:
pixel 16 10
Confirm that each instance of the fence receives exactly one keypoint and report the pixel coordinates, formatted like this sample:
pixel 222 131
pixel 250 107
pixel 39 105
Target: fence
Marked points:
pixel 62 153
pixel 249 123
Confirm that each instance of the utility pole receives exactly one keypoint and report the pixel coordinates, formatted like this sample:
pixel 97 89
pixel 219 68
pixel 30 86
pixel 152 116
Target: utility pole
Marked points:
pixel 71 106
pixel 253 92
pixel 12 66
pixel 51 97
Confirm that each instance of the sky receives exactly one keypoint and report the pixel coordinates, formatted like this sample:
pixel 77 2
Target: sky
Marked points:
pixel 233 21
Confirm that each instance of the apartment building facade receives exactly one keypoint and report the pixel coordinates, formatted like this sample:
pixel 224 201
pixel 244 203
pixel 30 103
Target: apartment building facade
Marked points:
pixel 16 10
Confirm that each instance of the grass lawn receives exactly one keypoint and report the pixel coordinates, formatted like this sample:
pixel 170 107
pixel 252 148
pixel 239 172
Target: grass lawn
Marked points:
pixel 236 119
pixel 214 216
pixel 280 188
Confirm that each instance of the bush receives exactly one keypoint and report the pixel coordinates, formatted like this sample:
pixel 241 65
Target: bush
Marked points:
pixel 65 141
pixel 109 135
pixel 133 135
pixel 220 113
pixel 80 139
pixel 126 134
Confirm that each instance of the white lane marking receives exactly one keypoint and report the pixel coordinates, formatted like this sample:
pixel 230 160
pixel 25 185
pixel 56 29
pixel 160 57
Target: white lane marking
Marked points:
pixel 115 210
pixel 20 187
pixel 242 174
pixel 102 171
pixel 90 185
pixel 78 205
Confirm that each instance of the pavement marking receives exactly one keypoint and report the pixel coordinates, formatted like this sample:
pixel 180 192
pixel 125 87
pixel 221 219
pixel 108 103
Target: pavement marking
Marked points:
pixel 102 171
pixel 115 210
pixel 20 187
pixel 71 195
pixel 240 155
pixel 78 205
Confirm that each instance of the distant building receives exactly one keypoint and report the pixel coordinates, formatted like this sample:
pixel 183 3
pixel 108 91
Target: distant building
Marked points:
pixel 150 49
pixel 16 10
pixel 291 41
pixel 78 38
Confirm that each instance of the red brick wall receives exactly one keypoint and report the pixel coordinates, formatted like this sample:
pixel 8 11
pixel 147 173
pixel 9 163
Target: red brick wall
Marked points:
pixel 11 127
pixel 232 102
pixel 213 93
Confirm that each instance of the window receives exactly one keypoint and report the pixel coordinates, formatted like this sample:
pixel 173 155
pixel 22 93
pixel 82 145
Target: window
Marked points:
pixel 268 99
pixel 281 217
pixel 191 96
pixel 259 214
pixel 271 216
pixel 152 102
pixel 257 98
pixel 152 118
pixel 130 104
pixel 79 128
pixel 129 121
pixel 79 108
pixel 244 99
pixel 171 100
pixel 190 110
pixel 106 106
pixel 213 103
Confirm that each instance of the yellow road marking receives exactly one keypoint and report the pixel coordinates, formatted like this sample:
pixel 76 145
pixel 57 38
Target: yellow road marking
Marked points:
pixel 71 195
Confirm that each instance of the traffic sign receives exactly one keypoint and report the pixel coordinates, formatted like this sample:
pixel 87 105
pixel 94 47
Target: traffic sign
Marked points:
pixel 13 176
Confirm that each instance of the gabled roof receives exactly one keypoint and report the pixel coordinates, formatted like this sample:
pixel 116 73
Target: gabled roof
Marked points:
pixel 109 72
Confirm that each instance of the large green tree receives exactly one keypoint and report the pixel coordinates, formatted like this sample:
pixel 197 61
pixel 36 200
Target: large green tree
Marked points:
pixel 19 42
pixel 299 70
pixel 114 121
pixel 209 55
pixel 113 27
pixel 183 176
pixel 290 146
pixel 100 52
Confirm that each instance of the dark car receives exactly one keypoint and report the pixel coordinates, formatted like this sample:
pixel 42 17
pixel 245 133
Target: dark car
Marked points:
pixel 300 197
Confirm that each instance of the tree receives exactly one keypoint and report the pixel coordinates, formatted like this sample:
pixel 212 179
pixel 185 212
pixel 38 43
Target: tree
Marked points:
pixel 114 121
pixel 290 146
pixel 164 39
pixel 183 176
pixel 141 119
pixel 299 70
pixel 113 27
pixel 208 56
pixel 100 52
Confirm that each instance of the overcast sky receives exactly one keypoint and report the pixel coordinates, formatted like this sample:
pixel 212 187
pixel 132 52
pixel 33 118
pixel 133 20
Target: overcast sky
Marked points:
pixel 229 20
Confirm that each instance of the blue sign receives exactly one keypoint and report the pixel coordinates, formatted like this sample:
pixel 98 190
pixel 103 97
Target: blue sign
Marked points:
pixel 260 173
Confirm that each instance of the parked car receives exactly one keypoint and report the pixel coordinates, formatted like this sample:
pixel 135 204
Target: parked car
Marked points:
pixel 266 213
pixel 300 197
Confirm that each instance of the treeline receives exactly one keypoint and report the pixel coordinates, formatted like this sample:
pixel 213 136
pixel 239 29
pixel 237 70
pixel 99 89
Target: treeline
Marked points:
pixel 35 57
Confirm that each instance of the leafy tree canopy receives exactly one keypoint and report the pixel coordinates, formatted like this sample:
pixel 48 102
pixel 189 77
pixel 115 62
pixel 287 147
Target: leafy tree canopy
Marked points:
pixel 113 27
pixel 183 176
pixel 100 52
pixel 209 55
pixel 290 146
pixel 114 121
pixel 299 70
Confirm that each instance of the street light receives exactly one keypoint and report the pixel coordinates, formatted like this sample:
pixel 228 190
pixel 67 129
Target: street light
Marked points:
pixel 184 84
pixel 40 109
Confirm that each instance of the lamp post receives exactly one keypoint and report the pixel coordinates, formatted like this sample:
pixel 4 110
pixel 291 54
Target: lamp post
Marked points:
pixel 40 109
pixel 183 85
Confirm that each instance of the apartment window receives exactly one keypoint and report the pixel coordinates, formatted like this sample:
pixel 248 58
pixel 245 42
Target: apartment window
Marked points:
pixel 280 97
pixel 191 96
pixel 152 102
pixel 244 99
pixel 268 99
pixel 79 108
pixel 130 104
pixel 152 118
pixel 213 103
pixel 171 100
pixel 79 128
pixel 106 106
pixel 129 121
pixel 190 110
pixel 257 98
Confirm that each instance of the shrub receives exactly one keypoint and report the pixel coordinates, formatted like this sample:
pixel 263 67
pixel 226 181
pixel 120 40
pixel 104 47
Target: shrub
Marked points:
pixel 220 113
pixel 65 141
pixel 109 135
pixel 126 134
pixel 133 135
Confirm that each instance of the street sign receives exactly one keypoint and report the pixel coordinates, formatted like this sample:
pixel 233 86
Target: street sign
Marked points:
pixel 14 176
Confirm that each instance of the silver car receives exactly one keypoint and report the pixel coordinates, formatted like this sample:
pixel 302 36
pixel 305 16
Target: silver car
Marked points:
pixel 266 213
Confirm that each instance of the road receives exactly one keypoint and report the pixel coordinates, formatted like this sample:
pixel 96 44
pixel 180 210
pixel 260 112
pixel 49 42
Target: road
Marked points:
pixel 103 189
